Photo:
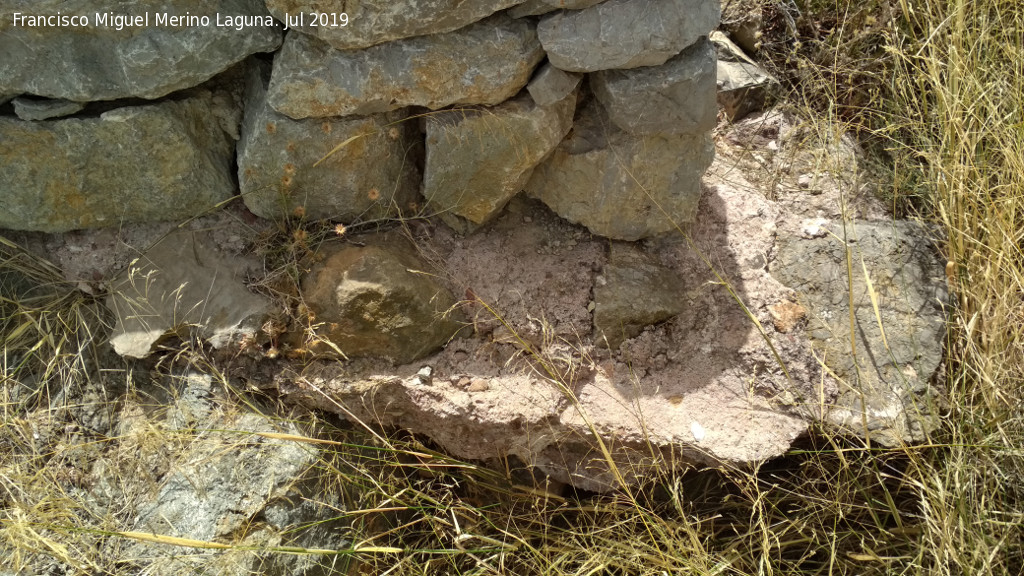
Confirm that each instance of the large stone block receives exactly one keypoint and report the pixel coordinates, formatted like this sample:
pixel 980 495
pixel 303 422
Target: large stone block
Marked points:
pixel 166 161
pixel 484 63
pixel 372 22
pixel 372 176
pixel 621 185
pixel 478 159
pixel 625 33
pixel 677 97
pixel 100 62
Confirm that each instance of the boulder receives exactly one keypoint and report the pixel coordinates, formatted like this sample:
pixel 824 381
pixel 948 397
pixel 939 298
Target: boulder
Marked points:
pixel 373 301
pixel 372 22
pixel 184 282
pixel 633 291
pixel 33 109
pixel 677 97
pixel 477 159
pixel 167 161
pixel 373 176
pixel 147 60
pixel 898 345
pixel 621 185
pixel 483 63
pixel 605 36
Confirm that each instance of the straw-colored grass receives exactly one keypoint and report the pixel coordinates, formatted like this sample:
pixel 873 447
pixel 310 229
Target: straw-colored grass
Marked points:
pixel 937 88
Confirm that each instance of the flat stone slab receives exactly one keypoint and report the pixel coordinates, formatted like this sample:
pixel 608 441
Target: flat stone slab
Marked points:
pixel 167 161
pixel 280 170
pixel 677 97
pixel 372 22
pixel 183 282
pixel 621 185
pixel 100 62
pixel 30 109
pixel 483 63
pixel 606 35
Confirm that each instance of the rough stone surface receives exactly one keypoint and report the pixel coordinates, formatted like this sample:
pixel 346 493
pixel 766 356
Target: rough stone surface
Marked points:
pixel 887 372
pixel 550 85
pixel 374 22
pixel 379 302
pixel 165 161
pixel 605 36
pixel 677 97
pixel 634 291
pixel 618 184
pixel 183 281
pixel 103 63
pixel 742 84
pixel 483 63
pixel 230 485
pixel 30 109
pixel 373 176
pixel 538 7
pixel 478 159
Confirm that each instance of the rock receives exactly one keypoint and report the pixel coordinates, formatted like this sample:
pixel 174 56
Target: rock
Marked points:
pixel 374 22
pixel 100 62
pixel 184 282
pixel 240 483
pixel 886 374
pixel 605 36
pixel 373 176
pixel 632 292
pixel 379 302
pixel 483 63
pixel 165 161
pixel 742 85
pixel 478 159
pixel 538 7
pixel 618 184
pixel 551 85
pixel 677 97
pixel 31 109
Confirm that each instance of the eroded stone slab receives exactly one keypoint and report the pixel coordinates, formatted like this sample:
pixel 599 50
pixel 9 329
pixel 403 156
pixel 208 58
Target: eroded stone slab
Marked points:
pixel 477 159
pixel 372 22
pixel 166 161
pixel 100 62
pixel 898 344
pixel 483 63
pixel 606 35
pixel 280 170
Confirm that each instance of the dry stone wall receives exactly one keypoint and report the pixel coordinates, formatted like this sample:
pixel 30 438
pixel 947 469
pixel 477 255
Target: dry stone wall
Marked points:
pixel 528 145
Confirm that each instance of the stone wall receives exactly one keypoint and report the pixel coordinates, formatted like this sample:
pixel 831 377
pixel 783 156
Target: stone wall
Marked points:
pixel 124 113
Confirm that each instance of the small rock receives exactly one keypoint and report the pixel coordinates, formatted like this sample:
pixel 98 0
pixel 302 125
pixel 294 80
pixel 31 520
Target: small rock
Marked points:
pixel 786 315
pixel 479 385
pixel 743 85
pixel 621 312
pixel 33 109
pixel 551 85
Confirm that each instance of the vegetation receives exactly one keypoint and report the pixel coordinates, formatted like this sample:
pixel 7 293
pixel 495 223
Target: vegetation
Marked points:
pixel 936 87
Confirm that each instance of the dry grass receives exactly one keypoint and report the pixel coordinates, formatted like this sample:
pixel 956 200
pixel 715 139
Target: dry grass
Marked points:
pixel 940 86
